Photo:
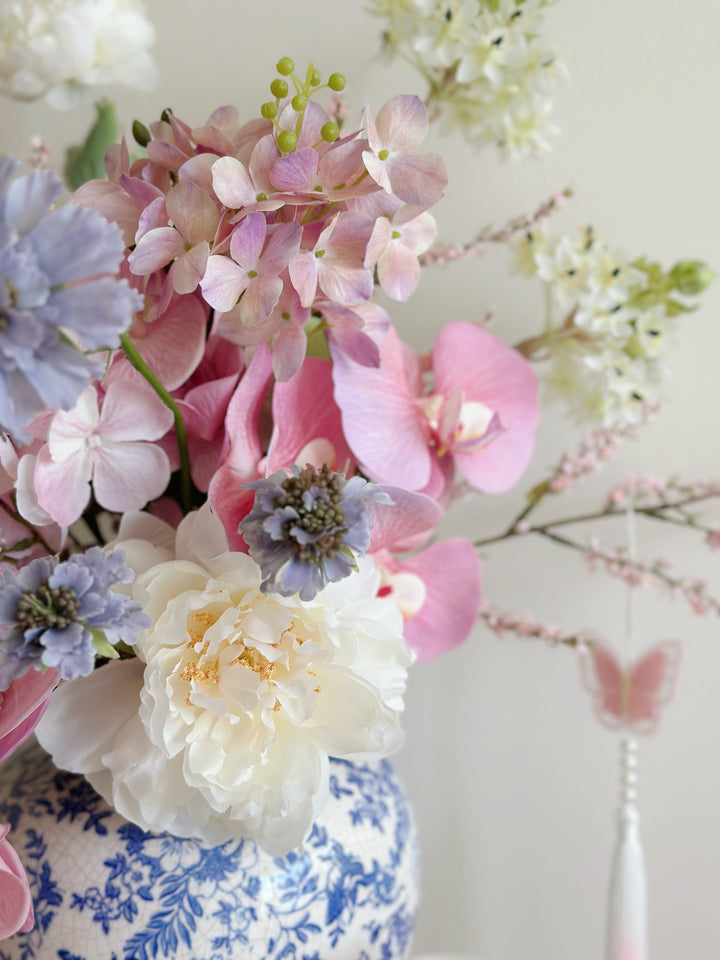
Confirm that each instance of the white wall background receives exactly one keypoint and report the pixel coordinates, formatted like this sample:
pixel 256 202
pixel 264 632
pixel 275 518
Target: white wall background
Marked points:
pixel 514 781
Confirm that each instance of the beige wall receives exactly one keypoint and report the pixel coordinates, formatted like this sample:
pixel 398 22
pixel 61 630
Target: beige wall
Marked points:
pixel 514 781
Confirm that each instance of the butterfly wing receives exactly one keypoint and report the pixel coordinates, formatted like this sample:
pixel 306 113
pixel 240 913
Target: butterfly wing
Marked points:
pixel 603 678
pixel 652 683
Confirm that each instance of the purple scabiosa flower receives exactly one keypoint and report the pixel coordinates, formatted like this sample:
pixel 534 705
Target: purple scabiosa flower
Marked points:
pixel 57 289
pixel 307 527
pixel 61 614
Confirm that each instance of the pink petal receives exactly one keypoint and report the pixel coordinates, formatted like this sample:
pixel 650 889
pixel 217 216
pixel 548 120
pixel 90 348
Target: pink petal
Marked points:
pixel 304 410
pixel 282 245
pixel 486 369
pixel 223 282
pixel 406 523
pixel 21 707
pixel 248 240
pixel 63 488
pixel 133 411
pixel 70 428
pixel 242 415
pixel 231 503
pixel 303 271
pixel 155 249
pixel 16 907
pixel 189 268
pixel 173 344
pixel 232 183
pixel 127 475
pixel 205 406
pixel 288 352
pixel 192 211
pixel 296 171
pixel 450 571
pixel 418 179
pixel 382 423
pixel 259 299
pixel 401 123
pixel 398 270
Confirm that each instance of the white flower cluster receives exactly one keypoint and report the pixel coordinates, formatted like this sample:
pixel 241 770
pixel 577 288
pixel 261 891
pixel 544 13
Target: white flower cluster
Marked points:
pixel 489 68
pixel 224 723
pixel 63 49
pixel 608 322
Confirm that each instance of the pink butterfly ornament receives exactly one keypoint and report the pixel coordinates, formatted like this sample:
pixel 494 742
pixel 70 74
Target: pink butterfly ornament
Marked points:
pixel 631 698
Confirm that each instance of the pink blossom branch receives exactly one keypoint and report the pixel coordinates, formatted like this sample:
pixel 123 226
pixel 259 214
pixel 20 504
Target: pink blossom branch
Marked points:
pixel 440 256
pixel 639 573
pixel 501 623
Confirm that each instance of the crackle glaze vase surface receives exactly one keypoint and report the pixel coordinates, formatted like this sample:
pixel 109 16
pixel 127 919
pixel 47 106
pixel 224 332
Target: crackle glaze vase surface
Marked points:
pixel 105 890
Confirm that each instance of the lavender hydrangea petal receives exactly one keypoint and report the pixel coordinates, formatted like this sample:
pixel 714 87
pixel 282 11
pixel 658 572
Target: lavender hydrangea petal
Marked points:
pixel 97 310
pixel 42 250
pixel 76 243
pixel 29 199
pixel 54 611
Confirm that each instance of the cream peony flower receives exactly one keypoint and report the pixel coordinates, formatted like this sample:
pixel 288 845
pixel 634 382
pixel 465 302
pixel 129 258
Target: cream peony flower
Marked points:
pixel 63 49
pixel 224 726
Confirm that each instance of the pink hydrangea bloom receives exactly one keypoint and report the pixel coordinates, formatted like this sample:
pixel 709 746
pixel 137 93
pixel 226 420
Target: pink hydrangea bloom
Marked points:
pixel 16 907
pixel 335 262
pixel 110 446
pixel 392 159
pixel 258 255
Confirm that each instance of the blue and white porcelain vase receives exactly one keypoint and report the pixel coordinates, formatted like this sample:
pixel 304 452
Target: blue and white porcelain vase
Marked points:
pixel 105 890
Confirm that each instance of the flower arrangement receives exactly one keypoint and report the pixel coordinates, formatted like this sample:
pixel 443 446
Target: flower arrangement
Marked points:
pixel 222 471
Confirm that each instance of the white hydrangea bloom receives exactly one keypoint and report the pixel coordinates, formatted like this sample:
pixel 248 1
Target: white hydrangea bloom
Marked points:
pixel 64 49
pixel 224 726
pixel 489 69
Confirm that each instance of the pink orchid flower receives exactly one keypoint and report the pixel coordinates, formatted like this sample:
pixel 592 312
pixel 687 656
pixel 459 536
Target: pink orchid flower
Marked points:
pixel 307 429
pixel 480 415
pixel 437 589
pixel 16 906
pixel 392 161
pixel 335 262
pixel 258 255
pixel 21 707
pixel 110 446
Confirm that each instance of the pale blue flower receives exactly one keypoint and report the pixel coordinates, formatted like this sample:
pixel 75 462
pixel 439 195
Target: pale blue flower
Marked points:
pixel 57 286
pixel 307 527
pixel 59 614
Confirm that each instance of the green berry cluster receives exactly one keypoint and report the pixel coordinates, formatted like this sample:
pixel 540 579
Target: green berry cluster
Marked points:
pixel 304 90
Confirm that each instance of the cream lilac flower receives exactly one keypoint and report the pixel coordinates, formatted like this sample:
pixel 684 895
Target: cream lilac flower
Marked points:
pixel 64 49
pixel 243 697
pixel 56 274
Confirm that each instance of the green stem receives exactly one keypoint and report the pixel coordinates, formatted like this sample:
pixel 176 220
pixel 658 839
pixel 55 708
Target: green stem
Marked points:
pixel 28 526
pixel 133 355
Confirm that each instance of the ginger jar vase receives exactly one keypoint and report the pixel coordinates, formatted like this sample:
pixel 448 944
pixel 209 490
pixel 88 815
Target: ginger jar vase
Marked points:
pixel 103 889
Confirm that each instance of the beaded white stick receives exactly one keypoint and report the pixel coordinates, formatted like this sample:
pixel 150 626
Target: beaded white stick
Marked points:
pixel 627 899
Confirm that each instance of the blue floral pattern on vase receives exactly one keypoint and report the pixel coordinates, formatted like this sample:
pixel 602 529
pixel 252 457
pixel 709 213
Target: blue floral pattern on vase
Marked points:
pixel 104 889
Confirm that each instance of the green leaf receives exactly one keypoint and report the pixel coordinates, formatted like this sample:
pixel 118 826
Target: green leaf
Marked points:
pixel 87 161
pixel 103 647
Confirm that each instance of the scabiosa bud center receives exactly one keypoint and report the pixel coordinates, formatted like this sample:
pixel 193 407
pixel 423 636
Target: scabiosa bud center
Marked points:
pixel 316 497
pixel 47 607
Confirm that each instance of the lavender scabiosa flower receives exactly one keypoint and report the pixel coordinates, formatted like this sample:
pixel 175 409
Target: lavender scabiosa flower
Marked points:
pixel 307 527
pixel 61 614
pixel 57 290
